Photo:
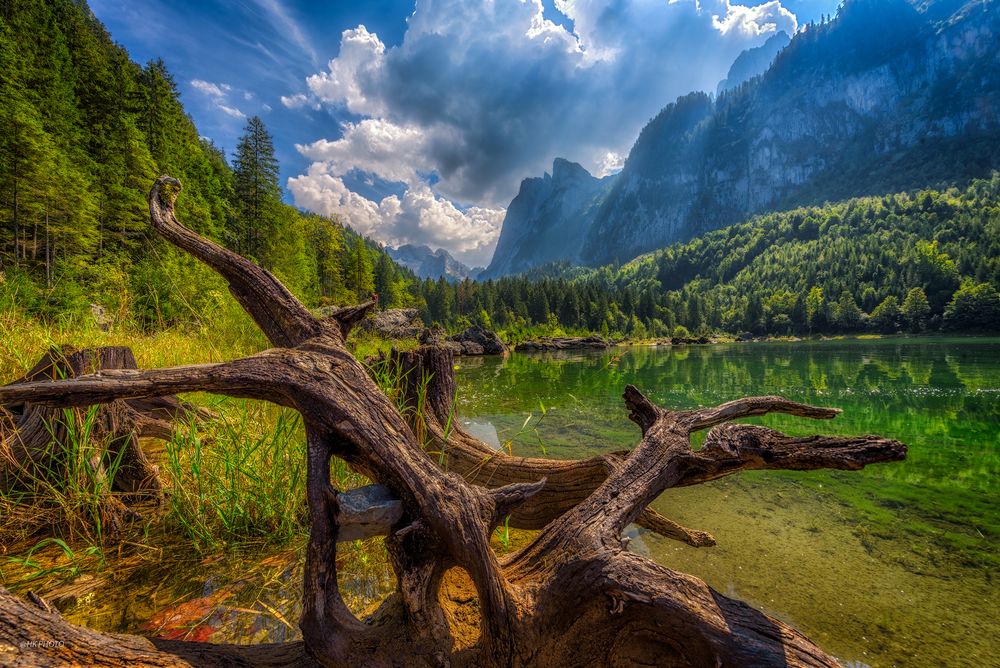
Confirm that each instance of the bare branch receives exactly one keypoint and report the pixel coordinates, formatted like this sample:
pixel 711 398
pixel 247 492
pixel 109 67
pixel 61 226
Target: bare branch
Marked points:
pixel 749 407
pixel 246 378
pixel 509 497
pixel 282 317
pixel 733 448
pixel 642 411
pixel 666 527
pixel 348 316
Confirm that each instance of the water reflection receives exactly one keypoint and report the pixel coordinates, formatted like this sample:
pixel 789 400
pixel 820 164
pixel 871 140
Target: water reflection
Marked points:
pixel 893 565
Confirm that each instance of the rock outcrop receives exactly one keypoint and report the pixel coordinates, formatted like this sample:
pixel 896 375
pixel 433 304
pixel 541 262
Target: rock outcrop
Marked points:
pixel 564 343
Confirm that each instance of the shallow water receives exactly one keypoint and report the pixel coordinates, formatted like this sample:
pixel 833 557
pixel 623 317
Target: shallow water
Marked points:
pixel 895 565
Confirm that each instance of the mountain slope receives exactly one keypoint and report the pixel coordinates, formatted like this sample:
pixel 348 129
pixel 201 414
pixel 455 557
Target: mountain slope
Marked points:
pixel 548 220
pixel 883 98
pixel 753 62
pixel 427 263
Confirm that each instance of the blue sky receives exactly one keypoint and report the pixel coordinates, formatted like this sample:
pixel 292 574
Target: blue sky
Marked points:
pixel 416 122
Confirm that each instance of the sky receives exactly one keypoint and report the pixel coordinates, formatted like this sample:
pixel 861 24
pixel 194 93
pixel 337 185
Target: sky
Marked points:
pixel 415 122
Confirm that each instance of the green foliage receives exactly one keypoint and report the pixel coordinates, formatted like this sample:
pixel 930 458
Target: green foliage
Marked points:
pixel 975 306
pixel 916 310
pixel 886 316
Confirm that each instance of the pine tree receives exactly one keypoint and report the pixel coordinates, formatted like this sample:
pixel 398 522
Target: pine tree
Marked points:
pixel 385 282
pixel 258 195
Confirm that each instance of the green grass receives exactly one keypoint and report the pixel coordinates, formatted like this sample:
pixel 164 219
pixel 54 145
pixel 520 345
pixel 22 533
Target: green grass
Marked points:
pixel 232 483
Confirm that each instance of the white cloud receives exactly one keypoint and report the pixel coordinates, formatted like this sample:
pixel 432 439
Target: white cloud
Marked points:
pixel 481 94
pixel 418 217
pixel 289 27
pixel 610 163
pixel 298 101
pixel 376 146
pixel 218 94
pixel 751 22
pixel 347 77
pixel 231 111
pixel 216 90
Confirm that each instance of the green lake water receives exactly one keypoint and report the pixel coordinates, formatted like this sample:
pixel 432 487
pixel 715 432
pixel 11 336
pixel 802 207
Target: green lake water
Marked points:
pixel 895 565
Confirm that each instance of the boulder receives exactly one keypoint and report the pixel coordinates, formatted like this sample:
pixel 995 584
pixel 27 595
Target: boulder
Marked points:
pixel 473 341
pixel 392 323
pixel 678 341
pixel 478 340
pixel 564 343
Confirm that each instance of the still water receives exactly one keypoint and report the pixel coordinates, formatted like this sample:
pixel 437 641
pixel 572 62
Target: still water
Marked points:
pixel 895 565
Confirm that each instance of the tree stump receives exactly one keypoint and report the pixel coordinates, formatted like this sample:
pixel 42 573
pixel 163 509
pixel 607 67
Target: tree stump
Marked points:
pixel 573 596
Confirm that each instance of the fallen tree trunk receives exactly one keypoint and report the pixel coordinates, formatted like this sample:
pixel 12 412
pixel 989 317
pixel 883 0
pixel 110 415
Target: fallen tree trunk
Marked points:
pixel 42 447
pixel 573 596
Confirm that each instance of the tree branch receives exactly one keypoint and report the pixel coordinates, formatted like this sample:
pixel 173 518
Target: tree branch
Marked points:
pixel 748 407
pixel 251 378
pixel 282 317
pixel 666 527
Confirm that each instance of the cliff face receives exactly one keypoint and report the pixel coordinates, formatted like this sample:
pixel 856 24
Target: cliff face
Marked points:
pixel 548 219
pixel 883 98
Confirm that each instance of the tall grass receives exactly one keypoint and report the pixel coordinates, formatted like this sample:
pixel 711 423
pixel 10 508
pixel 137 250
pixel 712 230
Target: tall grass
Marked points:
pixel 230 482
pixel 240 478
pixel 68 488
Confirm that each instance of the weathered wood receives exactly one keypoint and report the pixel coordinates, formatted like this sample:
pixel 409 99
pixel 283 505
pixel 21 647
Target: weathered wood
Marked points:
pixel 573 596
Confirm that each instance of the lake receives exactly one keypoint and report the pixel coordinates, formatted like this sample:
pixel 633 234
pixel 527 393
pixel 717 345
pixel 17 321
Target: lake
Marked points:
pixel 895 565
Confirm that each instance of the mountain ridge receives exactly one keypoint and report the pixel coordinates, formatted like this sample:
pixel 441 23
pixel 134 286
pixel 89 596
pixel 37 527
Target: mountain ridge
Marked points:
pixel 884 98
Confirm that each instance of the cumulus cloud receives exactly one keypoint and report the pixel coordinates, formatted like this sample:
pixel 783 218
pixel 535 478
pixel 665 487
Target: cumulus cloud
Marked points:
pixel 482 94
pixel 376 146
pixel 419 216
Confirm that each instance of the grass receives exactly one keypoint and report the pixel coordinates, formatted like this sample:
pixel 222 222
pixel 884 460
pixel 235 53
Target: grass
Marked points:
pixel 233 484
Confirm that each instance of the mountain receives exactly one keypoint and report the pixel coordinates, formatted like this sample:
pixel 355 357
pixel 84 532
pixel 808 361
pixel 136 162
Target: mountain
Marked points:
pixel 548 219
pixel 884 98
pixel 425 263
pixel 887 97
pixel 754 61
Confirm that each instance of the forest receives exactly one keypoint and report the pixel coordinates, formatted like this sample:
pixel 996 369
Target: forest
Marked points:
pixel 915 262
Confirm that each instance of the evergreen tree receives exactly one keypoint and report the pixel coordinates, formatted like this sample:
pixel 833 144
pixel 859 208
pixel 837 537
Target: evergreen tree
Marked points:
pixel 360 276
pixel 258 195
pixel 916 310
pixel 385 282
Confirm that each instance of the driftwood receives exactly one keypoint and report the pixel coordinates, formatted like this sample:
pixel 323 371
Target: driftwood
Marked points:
pixel 573 596
pixel 34 438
